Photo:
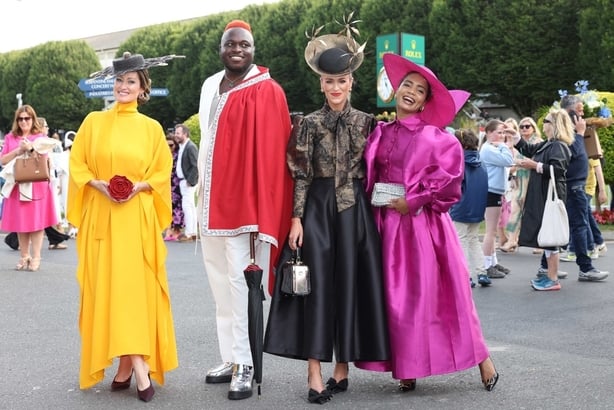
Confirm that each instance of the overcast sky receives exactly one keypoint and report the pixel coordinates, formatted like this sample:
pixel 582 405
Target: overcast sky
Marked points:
pixel 26 23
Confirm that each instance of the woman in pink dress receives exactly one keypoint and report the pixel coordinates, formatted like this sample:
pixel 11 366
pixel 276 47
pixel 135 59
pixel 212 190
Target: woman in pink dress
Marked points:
pixel 28 216
pixel 432 320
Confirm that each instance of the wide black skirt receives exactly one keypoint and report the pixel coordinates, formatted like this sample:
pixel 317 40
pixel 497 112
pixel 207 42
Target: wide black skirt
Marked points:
pixel 345 311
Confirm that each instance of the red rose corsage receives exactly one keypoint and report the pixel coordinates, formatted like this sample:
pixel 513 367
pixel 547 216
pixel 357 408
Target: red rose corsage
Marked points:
pixel 120 187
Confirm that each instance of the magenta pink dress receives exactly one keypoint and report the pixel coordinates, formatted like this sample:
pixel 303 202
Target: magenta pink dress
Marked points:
pixel 432 320
pixel 27 216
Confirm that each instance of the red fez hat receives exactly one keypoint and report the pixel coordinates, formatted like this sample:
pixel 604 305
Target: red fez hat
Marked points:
pixel 238 24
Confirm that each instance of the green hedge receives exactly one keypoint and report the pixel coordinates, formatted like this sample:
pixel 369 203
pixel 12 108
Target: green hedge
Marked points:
pixel 606 137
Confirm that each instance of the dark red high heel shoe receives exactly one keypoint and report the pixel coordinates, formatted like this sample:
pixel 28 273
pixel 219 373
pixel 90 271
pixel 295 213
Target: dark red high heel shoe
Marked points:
pixel 147 394
pixel 115 386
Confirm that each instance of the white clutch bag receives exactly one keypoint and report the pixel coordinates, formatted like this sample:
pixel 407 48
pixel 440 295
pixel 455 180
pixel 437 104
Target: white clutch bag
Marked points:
pixel 383 193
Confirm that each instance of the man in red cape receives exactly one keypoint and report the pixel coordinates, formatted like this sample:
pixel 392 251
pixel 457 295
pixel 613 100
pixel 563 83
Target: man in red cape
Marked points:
pixel 244 186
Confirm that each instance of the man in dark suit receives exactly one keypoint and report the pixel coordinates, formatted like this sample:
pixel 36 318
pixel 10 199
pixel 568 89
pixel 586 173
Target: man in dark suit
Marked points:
pixel 187 172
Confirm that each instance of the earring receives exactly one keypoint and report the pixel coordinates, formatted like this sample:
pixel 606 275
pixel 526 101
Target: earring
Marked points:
pixel 422 108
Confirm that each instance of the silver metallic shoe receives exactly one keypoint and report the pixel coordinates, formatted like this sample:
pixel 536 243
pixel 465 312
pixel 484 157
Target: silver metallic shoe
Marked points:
pixel 241 384
pixel 220 374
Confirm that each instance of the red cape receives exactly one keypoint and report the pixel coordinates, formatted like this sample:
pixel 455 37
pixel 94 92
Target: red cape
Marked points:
pixel 251 184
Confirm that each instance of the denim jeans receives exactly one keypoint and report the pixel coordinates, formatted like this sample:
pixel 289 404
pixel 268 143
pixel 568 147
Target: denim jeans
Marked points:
pixel 577 211
pixel 593 237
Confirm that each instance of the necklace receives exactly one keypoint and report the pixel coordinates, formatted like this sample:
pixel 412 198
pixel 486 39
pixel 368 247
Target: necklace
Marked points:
pixel 232 83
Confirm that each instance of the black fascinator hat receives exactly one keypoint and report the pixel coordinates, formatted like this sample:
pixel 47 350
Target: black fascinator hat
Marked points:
pixel 335 54
pixel 132 62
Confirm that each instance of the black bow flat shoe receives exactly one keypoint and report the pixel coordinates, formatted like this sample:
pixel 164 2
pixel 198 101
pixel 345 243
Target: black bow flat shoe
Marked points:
pixel 319 398
pixel 335 386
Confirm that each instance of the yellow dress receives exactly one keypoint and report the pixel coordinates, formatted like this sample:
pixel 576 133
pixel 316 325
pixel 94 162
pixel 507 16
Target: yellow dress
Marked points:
pixel 124 296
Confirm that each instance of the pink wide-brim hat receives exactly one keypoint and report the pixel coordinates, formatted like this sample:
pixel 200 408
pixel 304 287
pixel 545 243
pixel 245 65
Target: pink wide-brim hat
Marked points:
pixel 439 109
pixel 460 97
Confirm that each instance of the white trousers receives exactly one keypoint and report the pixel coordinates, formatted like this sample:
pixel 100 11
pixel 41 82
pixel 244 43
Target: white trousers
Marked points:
pixel 225 260
pixel 64 193
pixel 55 188
pixel 468 233
pixel 188 204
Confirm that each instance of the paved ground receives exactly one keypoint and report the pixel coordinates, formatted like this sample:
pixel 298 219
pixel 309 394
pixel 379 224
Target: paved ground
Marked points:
pixel 553 350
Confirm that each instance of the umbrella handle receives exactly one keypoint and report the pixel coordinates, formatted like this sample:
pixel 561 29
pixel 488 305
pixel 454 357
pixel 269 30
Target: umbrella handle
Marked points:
pixel 252 247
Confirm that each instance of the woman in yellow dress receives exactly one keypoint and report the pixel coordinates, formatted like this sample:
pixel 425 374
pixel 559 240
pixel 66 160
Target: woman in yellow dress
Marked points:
pixel 120 200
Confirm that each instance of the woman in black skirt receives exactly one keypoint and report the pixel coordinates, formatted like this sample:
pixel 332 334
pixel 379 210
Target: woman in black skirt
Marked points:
pixel 333 224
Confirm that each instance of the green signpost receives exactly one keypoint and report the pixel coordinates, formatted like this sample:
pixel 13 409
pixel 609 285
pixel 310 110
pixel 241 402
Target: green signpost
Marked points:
pixel 410 46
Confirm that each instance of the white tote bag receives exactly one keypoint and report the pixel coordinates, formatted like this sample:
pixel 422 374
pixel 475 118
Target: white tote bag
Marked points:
pixel 555 224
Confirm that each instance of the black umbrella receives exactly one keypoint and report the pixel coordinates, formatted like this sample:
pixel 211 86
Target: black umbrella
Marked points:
pixel 255 317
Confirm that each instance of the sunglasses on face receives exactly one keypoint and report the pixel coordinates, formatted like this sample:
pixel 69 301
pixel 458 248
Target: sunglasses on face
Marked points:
pixel 24 119
pixel 525 126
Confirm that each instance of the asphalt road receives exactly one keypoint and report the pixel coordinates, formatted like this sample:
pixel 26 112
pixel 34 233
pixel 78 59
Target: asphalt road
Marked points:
pixel 553 350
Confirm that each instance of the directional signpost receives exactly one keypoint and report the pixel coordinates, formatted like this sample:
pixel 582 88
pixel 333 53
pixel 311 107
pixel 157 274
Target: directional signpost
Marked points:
pixel 91 84
pixel 101 88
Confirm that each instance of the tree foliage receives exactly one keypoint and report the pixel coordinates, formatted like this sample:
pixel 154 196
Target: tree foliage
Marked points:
pixel 596 43
pixel 47 76
pixel 158 40
pixel 13 80
pixel 52 86
pixel 517 53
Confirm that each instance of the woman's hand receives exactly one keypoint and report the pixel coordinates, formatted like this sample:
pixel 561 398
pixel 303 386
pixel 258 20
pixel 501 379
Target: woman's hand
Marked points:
pixel 136 188
pixel 139 187
pixel 295 238
pixel 399 205
pixel 102 186
pixel 25 146
pixel 526 163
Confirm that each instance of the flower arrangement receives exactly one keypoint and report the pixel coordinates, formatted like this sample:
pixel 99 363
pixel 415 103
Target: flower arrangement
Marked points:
pixel 604 217
pixel 593 106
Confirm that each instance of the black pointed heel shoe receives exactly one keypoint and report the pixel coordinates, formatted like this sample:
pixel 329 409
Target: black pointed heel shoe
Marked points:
pixel 490 383
pixel 335 386
pixel 319 398
pixel 116 386
pixel 147 394
pixel 407 384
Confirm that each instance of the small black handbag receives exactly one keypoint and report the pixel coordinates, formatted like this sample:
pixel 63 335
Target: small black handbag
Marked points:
pixel 295 279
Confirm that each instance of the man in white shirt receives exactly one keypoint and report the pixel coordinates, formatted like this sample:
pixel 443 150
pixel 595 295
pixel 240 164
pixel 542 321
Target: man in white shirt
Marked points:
pixel 187 172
